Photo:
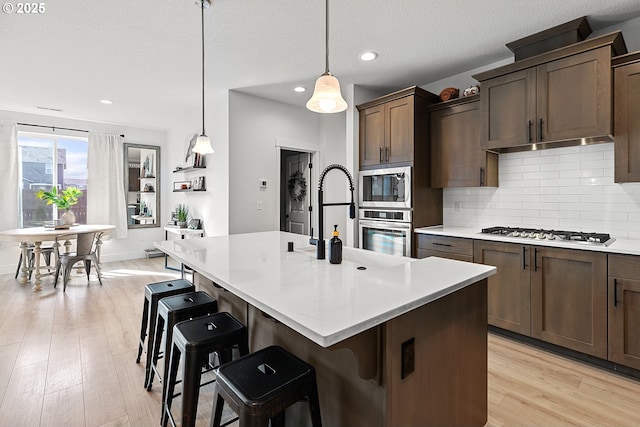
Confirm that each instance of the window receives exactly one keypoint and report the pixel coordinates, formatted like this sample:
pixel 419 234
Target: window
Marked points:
pixel 47 160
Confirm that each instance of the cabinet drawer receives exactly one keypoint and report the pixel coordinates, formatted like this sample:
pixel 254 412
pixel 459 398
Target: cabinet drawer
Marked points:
pixel 624 266
pixel 456 245
pixel 424 253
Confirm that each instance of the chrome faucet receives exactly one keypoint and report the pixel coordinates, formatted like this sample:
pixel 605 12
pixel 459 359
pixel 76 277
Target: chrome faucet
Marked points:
pixel 319 242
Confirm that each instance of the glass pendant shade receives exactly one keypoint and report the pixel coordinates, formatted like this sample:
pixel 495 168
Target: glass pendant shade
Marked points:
pixel 327 97
pixel 203 145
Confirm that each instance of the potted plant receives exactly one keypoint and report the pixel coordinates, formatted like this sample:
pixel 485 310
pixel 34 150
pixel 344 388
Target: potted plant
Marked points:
pixel 182 215
pixel 62 200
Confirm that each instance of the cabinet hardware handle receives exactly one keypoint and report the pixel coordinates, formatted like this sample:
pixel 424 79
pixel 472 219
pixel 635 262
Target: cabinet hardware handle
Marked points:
pixel 386 150
pixel 540 131
pixel 615 292
pixel 535 259
pixel 481 177
pixel 530 135
pixel 524 257
pixel 380 154
pixel 441 244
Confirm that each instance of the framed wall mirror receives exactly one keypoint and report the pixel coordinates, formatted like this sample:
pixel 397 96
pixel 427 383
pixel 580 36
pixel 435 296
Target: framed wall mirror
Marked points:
pixel 142 185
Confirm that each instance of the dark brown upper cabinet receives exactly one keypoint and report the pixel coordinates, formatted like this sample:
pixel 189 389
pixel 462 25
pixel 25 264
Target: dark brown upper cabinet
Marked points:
pixel 559 98
pixel 457 160
pixel 394 128
pixel 627 110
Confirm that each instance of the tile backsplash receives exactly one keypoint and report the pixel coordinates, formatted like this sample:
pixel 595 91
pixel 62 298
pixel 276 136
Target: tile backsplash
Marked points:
pixel 568 188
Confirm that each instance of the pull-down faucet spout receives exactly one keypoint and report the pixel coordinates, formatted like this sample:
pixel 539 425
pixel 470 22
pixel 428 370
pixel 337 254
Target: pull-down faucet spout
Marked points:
pixel 319 242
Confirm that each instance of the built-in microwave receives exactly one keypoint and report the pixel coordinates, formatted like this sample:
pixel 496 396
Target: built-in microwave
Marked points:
pixel 386 188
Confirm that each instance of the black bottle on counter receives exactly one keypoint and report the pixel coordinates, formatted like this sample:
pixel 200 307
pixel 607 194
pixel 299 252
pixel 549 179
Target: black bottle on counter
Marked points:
pixel 335 247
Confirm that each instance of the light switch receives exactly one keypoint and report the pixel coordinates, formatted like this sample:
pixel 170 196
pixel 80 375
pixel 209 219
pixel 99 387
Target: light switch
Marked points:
pixel 259 205
pixel 263 183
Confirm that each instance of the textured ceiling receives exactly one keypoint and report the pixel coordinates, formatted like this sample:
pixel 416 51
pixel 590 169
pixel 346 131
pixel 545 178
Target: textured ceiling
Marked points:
pixel 145 55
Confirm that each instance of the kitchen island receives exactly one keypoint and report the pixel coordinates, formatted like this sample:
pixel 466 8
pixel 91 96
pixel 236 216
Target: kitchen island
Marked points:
pixel 395 341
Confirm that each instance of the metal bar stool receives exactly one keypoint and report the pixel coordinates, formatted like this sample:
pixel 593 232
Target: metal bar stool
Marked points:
pixel 172 310
pixel 153 292
pixel 194 340
pixel 260 386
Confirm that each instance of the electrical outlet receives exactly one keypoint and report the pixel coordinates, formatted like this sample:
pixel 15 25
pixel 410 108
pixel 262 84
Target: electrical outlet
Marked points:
pixel 141 237
pixel 408 358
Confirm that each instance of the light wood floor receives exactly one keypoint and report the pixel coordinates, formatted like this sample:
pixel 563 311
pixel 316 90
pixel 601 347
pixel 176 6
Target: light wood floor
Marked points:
pixel 69 360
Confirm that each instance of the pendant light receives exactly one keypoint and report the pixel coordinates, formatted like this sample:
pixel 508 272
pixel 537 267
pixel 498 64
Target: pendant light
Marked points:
pixel 203 143
pixel 326 95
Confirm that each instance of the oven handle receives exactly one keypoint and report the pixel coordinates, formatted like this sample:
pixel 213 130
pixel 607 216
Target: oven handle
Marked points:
pixel 393 226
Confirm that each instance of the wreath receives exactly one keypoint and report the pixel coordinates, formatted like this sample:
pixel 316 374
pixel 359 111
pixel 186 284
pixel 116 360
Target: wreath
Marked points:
pixel 297 186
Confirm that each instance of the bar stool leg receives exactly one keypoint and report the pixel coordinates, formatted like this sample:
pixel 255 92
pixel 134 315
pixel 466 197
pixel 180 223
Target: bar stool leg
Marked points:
pixel 159 323
pixel 143 329
pixel 171 386
pixel 191 373
pixel 218 406
pixel 314 407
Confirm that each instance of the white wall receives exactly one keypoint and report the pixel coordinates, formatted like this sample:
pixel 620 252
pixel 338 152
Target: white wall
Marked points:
pixel 211 206
pixel 257 126
pixel 565 188
pixel 112 250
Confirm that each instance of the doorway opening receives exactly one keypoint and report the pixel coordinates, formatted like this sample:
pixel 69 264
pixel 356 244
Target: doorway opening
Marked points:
pixel 295 190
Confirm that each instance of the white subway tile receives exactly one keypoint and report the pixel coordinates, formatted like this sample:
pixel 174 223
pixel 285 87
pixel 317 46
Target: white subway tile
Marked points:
pixel 560 166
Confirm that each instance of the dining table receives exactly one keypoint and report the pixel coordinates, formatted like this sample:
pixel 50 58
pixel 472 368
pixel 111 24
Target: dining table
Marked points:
pixel 37 235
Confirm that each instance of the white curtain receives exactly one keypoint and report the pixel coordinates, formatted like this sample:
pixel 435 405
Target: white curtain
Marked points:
pixel 10 188
pixel 106 199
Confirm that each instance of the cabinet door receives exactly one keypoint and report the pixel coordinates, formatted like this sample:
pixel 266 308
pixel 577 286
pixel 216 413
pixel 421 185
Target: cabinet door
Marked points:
pixel 508 110
pixel 399 130
pixel 372 135
pixel 569 299
pixel 626 123
pixel 457 159
pixel 624 310
pixel 574 96
pixel 509 290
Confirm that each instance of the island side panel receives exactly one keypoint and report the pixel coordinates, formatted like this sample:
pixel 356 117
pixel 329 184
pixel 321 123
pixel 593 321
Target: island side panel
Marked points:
pixel 449 383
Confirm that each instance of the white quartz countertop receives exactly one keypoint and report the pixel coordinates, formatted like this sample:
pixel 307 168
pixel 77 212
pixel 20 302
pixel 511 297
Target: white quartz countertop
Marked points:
pixel 325 302
pixel 619 246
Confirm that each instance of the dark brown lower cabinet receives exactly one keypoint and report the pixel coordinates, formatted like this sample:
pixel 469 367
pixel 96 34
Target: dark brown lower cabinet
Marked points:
pixel 624 310
pixel 509 290
pixel 569 299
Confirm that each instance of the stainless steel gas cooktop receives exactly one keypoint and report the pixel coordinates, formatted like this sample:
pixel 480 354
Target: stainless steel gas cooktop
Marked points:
pixel 542 234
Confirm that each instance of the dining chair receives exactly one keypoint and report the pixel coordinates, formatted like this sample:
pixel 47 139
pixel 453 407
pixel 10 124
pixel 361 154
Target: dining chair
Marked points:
pixel 86 251
pixel 31 256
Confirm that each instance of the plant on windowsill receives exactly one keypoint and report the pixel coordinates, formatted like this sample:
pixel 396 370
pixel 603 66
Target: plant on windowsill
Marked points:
pixel 182 215
pixel 63 200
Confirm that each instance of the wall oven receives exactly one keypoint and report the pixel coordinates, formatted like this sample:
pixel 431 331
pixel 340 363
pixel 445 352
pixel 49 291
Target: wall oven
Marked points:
pixel 386 188
pixel 386 231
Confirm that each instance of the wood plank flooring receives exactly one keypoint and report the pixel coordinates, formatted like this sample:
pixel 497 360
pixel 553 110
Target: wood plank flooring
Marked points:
pixel 68 359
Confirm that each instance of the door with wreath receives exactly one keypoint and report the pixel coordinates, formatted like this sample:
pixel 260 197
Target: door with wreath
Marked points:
pixel 297 192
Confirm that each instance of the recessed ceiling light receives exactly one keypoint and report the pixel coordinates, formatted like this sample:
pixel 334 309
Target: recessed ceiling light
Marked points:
pixel 300 89
pixel 106 101
pixel 368 56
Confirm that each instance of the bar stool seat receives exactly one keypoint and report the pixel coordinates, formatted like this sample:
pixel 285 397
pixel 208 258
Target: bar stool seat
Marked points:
pixel 260 386
pixel 153 292
pixel 194 340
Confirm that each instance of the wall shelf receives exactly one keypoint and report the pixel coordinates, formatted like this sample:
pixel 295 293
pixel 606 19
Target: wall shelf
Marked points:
pixel 189 190
pixel 189 169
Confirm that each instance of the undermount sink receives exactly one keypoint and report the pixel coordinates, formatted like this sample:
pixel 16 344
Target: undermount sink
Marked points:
pixel 364 258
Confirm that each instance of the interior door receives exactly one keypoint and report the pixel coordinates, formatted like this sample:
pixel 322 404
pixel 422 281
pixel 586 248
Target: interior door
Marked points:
pixel 297 193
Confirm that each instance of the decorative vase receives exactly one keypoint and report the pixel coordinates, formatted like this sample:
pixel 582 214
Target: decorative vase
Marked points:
pixel 68 217
pixel 182 224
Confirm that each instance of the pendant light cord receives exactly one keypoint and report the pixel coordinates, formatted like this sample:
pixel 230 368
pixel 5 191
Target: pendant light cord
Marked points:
pixel 326 36
pixel 202 19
